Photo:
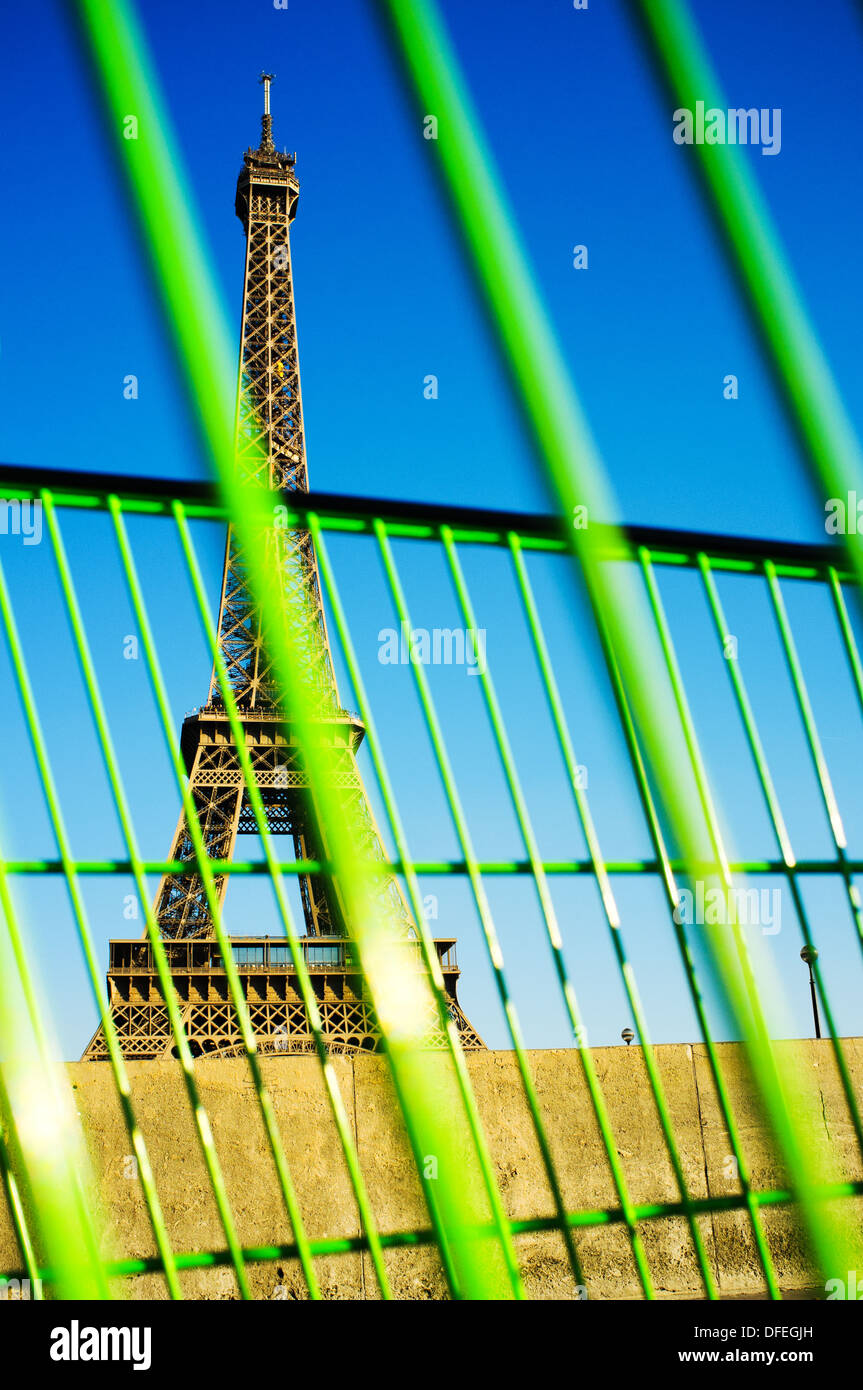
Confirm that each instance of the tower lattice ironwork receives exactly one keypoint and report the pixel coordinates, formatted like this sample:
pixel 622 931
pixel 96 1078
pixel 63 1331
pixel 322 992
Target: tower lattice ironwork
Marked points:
pixel 270 447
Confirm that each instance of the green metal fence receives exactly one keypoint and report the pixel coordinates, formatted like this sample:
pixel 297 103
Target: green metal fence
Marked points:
pixel 620 573
pixel 452 533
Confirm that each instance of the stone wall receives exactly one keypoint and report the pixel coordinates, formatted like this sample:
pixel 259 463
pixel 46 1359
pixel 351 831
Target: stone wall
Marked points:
pixel 323 1187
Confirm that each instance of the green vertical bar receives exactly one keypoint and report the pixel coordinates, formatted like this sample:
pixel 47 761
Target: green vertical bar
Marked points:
pixel 609 905
pixel 738 971
pixel 118 1067
pixel 334 1095
pixel 487 925
pixel 201 1119
pixel 265 1104
pixel 779 829
pixel 17 1214
pixel 672 900
pixel 41 1129
pixel 848 640
pixel 819 762
pixel 545 902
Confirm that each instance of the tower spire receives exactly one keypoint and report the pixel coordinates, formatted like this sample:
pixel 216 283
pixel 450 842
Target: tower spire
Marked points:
pixel 266 144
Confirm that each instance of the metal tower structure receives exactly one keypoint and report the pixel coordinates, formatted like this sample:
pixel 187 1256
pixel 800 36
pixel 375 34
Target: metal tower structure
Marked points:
pixel 270 447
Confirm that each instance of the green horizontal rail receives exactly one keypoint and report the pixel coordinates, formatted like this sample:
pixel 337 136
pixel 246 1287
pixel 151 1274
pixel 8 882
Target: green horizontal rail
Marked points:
pixel 400 1240
pixel 431 867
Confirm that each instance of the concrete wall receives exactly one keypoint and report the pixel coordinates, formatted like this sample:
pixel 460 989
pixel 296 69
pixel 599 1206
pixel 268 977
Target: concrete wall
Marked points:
pixel 320 1176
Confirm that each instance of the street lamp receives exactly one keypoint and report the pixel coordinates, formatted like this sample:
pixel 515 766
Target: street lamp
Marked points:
pixel 810 955
pixel 627 1036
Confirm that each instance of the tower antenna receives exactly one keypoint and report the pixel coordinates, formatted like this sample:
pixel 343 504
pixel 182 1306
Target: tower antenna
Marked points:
pixel 266 120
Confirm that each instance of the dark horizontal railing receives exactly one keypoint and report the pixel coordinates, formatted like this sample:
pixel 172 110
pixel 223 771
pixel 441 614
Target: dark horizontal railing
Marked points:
pixel 426 518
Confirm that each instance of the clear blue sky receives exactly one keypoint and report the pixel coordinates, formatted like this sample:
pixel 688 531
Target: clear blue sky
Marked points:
pixel 582 136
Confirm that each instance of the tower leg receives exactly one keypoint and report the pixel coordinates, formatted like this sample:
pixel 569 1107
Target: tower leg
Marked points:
pixel 181 909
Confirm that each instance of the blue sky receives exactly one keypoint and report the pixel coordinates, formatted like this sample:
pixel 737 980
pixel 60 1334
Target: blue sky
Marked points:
pixel 582 135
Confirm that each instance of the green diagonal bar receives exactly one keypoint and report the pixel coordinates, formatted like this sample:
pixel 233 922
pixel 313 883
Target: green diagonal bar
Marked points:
pixel 42 1138
pixel 612 916
pixel 410 870
pixel 780 830
pixel 275 871
pixel 424 1083
pixel 574 471
pixel 759 261
pixel 118 1066
pixel 121 805
pixel 204 866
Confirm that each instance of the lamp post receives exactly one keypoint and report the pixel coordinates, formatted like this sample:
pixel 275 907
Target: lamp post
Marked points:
pixel 810 955
pixel 627 1036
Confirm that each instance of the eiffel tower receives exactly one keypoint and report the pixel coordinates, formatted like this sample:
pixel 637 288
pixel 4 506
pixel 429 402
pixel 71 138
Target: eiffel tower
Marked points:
pixel 270 445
